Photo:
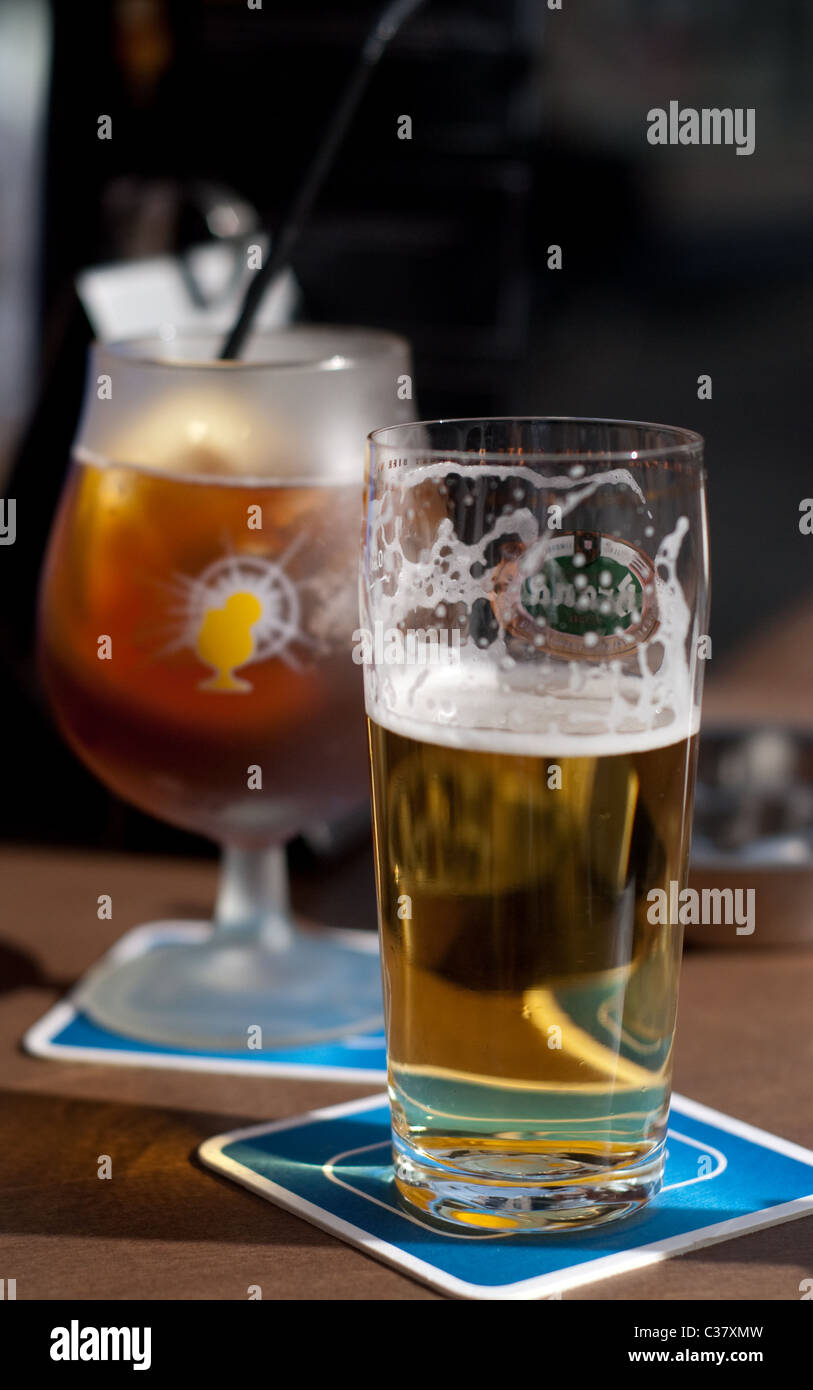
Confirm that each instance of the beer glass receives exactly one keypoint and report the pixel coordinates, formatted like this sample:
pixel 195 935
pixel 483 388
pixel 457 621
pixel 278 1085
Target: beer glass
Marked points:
pixel 534 593
pixel 197 608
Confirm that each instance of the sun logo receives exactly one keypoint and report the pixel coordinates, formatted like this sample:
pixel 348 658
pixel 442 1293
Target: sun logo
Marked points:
pixel 239 611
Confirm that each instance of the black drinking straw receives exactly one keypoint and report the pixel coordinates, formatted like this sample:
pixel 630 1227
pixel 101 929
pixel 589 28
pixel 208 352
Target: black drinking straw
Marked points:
pixel 384 29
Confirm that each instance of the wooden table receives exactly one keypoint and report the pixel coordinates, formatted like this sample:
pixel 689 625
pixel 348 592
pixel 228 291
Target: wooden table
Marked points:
pixel 163 1227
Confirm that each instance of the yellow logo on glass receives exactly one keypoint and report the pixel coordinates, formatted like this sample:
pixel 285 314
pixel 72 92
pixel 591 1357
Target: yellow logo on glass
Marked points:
pixel 226 641
pixel 243 609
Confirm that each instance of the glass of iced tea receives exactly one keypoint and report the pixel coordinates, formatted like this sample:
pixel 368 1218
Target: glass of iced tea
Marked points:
pixel 197 609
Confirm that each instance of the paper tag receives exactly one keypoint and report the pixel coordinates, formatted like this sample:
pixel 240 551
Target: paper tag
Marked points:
pixel 152 296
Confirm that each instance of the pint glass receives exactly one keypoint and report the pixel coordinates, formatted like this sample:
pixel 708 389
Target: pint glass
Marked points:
pixel 534 594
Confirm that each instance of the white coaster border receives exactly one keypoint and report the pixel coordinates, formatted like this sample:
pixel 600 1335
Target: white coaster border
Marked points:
pixel 211 1155
pixel 38 1039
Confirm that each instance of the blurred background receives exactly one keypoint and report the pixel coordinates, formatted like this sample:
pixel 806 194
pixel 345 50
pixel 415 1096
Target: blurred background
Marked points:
pixel 528 131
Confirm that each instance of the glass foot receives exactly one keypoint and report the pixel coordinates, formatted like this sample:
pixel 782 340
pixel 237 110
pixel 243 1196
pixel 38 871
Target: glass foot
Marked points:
pixel 452 1193
pixel 233 993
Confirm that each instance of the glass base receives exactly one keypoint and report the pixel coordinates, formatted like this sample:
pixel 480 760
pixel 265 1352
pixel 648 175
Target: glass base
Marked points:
pixel 231 992
pixel 448 1191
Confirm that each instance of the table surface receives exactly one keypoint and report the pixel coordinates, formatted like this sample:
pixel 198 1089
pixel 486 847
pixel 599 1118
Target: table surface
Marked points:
pixel 164 1227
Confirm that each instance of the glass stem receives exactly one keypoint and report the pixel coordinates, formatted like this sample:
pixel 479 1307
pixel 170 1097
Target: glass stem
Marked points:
pixel 253 897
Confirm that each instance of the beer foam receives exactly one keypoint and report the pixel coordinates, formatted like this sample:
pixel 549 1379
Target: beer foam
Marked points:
pixel 455 709
pixel 542 704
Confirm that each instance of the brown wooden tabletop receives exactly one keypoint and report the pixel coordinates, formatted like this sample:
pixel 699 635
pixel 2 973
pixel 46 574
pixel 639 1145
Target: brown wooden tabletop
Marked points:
pixel 165 1228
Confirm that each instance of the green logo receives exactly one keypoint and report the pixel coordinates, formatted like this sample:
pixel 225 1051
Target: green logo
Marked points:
pixel 594 596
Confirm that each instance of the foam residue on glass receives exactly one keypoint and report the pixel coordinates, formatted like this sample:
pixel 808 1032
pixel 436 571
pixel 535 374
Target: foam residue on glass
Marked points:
pixel 424 576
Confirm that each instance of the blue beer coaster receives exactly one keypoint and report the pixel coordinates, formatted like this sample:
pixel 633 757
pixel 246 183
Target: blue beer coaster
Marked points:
pixel 332 1167
pixel 68 1034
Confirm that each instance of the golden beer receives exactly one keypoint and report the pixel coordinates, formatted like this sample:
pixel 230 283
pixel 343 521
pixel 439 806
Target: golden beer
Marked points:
pixel 528 995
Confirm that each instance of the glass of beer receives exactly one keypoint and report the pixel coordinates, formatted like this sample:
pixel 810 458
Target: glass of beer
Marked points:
pixel 196 617
pixel 534 597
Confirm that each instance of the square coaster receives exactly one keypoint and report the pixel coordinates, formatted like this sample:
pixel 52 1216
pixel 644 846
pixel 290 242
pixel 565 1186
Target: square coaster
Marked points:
pixel 67 1033
pixel 332 1167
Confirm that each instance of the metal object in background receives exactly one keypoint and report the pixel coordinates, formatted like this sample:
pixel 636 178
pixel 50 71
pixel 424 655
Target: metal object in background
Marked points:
pixel 753 828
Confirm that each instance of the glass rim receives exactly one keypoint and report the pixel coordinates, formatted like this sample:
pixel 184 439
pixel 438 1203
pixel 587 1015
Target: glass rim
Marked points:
pixel 363 344
pixel 688 445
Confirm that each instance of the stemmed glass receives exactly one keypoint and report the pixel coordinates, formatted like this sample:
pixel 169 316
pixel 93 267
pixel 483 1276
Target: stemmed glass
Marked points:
pixel 197 609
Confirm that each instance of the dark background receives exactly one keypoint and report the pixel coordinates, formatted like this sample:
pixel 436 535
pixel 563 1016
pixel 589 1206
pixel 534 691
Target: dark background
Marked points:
pixel 529 129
